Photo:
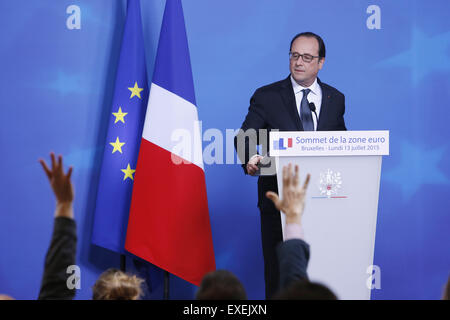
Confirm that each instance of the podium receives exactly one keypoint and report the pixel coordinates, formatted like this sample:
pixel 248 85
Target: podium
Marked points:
pixel 341 205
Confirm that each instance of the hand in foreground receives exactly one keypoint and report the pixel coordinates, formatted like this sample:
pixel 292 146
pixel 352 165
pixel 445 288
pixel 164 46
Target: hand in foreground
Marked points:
pixel 252 165
pixel 293 201
pixel 61 185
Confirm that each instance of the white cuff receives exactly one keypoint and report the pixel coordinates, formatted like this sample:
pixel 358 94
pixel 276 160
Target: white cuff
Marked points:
pixel 293 231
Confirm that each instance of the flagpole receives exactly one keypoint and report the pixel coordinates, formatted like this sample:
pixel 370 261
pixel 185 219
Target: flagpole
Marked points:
pixel 166 285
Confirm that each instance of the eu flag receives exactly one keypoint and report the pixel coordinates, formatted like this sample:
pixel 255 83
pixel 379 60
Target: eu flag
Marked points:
pixel 126 119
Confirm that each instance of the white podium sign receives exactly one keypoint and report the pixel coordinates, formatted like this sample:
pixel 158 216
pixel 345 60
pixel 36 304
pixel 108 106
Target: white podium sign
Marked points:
pixel 341 204
pixel 329 143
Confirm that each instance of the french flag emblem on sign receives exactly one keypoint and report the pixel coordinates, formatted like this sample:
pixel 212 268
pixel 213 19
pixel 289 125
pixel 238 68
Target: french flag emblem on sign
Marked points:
pixel 281 144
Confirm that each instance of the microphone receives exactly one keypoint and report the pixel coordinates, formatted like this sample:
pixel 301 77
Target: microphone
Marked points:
pixel 312 107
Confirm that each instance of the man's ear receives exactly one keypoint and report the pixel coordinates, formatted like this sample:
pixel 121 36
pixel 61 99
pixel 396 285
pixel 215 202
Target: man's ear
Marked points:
pixel 321 62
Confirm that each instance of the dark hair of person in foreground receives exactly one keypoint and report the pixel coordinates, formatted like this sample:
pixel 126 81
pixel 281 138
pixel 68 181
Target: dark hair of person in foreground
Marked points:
pixel 446 293
pixel 221 285
pixel 306 290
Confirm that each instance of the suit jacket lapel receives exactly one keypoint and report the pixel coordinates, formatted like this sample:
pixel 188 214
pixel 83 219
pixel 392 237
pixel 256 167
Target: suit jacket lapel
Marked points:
pixel 287 93
pixel 325 106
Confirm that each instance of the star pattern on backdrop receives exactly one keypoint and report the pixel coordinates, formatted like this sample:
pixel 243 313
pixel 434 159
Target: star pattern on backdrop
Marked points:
pixel 417 168
pixel 426 55
pixel 66 83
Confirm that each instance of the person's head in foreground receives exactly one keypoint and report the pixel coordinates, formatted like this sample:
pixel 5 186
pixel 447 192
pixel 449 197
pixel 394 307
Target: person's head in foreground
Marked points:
pixel 114 284
pixel 446 293
pixel 221 285
pixel 306 290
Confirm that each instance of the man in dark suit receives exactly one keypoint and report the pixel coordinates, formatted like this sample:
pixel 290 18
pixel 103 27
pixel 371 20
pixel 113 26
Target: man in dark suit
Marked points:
pixel 286 105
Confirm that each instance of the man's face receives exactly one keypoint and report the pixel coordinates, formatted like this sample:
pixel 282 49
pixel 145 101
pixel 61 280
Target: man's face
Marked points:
pixel 304 73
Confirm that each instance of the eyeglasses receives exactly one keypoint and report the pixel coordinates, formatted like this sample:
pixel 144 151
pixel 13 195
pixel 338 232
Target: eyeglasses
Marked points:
pixel 305 57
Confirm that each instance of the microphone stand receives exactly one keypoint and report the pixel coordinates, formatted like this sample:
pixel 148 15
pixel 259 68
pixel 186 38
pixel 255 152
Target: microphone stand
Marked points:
pixel 312 107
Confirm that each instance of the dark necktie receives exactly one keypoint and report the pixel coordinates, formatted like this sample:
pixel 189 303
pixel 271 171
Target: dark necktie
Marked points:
pixel 305 112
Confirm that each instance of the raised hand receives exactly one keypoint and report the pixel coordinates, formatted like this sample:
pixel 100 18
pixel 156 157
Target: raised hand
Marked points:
pixel 293 201
pixel 61 185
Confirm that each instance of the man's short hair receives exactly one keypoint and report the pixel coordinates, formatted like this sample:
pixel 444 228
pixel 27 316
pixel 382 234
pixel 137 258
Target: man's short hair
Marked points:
pixel 311 35
pixel 221 285
pixel 306 290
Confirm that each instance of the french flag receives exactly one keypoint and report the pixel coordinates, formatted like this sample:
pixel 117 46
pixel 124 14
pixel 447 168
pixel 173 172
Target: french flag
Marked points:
pixel 169 223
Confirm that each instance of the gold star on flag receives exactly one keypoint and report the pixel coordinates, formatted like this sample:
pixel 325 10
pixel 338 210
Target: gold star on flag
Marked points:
pixel 117 145
pixel 135 91
pixel 120 116
pixel 128 173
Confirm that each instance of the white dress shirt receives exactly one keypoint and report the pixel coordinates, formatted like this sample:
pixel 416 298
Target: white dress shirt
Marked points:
pixel 314 96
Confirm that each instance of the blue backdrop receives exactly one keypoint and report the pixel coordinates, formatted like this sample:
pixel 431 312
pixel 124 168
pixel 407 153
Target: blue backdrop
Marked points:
pixel 391 61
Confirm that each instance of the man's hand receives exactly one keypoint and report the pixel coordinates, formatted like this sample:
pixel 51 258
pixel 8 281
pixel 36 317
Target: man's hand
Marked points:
pixel 293 201
pixel 61 185
pixel 252 164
